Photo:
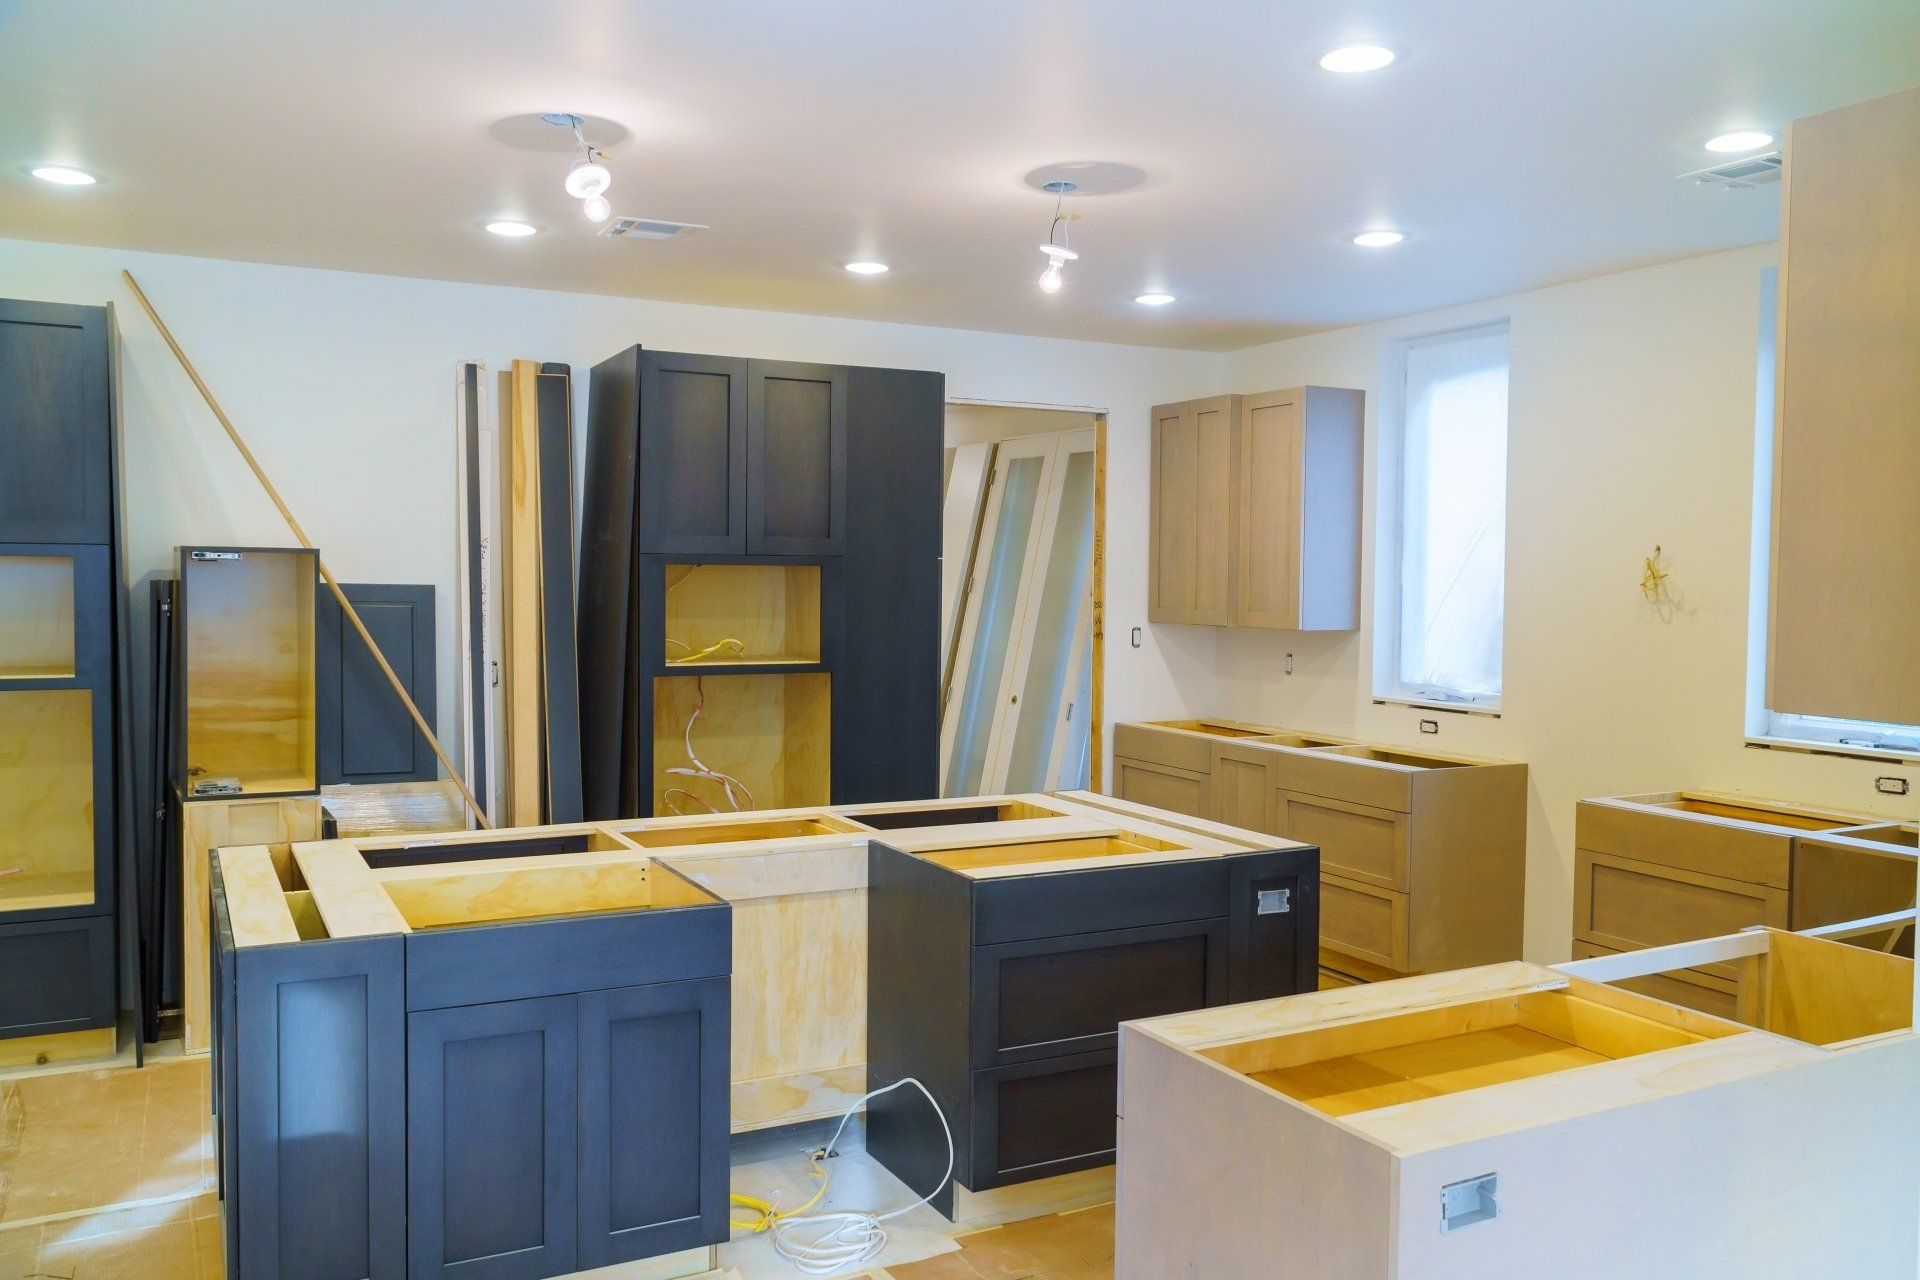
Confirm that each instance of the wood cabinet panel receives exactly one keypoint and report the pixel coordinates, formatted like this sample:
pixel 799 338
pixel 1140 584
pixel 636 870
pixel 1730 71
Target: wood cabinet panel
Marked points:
pixel 1239 791
pixel 492 1140
pixel 1711 844
pixel 1356 842
pixel 1269 473
pixel 796 458
pixel 56 432
pixel 693 453
pixel 1627 905
pixel 1191 571
pixel 1364 921
pixel 1175 790
pixel 56 976
pixel 1192 752
pixel 1688 988
pixel 1847 399
pixel 1039 1119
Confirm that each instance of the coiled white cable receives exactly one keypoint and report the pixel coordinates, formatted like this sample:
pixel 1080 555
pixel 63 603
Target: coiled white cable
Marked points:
pixel 820 1244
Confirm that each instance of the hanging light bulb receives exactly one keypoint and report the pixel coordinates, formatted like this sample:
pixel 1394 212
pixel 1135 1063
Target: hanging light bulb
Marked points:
pixel 587 181
pixel 598 210
pixel 588 178
pixel 1052 278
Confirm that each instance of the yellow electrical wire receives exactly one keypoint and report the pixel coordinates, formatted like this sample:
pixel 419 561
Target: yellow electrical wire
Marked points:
pixel 707 652
pixel 768 1215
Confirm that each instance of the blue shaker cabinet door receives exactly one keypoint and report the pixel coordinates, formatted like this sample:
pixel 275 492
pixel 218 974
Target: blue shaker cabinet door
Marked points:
pixel 492 1129
pixel 653 1119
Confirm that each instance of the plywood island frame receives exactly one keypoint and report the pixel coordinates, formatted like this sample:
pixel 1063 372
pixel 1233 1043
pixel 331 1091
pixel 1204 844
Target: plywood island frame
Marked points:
pixel 436 938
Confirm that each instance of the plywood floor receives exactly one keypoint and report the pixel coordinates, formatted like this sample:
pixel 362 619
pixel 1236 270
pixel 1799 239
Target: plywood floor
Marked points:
pixel 108 1175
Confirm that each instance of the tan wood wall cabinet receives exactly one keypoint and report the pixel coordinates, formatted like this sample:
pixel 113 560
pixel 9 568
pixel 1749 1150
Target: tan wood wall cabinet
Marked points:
pixel 1422 855
pixel 1255 510
pixel 1846 531
pixel 1514 1120
pixel 1672 866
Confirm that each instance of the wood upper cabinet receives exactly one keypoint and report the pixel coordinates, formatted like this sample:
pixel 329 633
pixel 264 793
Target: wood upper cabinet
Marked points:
pixel 1256 510
pixel 692 485
pixel 796 458
pixel 1846 528
pixel 56 430
pixel 1190 575
pixel 1297 515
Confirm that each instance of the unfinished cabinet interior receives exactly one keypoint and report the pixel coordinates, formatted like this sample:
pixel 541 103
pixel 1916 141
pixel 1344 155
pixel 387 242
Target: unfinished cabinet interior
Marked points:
pixel 1255 510
pixel 1474 1122
pixel 62 746
pixel 761 544
pixel 1423 854
pixel 1846 397
pixel 1667 867
pixel 245 685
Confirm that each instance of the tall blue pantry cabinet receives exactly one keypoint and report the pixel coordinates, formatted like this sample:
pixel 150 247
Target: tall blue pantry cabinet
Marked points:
pixel 62 739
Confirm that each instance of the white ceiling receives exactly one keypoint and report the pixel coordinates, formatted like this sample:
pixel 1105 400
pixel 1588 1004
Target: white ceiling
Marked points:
pixel 1518 143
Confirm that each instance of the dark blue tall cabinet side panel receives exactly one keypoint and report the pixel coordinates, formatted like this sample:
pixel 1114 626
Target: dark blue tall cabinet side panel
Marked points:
pixel 653 1119
pixel 492 1134
pixel 315 1174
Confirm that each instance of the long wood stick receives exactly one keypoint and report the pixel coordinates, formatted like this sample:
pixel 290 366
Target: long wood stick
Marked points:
pixel 346 606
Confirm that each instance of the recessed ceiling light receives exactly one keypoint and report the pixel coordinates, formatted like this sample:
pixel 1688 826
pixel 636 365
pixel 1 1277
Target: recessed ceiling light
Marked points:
pixel 1154 299
pixel 1379 239
pixel 1350 59
pixel 61 175
pixel 1740 140
pixel 868 268
pixel 512 230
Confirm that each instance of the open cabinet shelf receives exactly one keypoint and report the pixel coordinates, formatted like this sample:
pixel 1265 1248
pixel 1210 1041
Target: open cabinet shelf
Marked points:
pixel 47 847
pixel 730 616
pixel 37 626
pixel 771 733
pixel 247 657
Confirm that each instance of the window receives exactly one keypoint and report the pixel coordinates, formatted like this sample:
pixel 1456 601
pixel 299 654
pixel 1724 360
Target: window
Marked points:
pixel 1764 723
pixel 1443 592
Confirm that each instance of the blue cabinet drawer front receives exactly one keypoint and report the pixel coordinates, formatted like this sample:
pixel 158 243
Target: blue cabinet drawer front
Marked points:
pixel 55 976
pixel 1053 905
pixel 480 964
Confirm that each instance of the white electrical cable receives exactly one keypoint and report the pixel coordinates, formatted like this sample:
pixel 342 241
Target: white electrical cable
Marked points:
pixel 848 1238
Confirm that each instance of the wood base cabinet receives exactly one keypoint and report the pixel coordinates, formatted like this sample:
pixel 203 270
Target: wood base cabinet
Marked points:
pixel 1004 994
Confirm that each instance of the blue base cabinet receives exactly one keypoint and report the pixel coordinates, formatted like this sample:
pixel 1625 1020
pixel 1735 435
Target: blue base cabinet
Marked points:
pixel 564 1133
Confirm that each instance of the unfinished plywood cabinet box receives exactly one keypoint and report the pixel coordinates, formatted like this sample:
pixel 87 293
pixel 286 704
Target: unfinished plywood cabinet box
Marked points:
pixel 1423 854
pixel 1255 510
pixel 1482 1122
pixel 1667 867
pixel 245 685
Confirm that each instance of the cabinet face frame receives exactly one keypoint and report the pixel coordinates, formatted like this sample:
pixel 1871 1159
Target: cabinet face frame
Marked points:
pixel 1270 496
pixel 1125 768
pixel 764 477
pixel 1769 905
pixel 90 432
pixel 656 441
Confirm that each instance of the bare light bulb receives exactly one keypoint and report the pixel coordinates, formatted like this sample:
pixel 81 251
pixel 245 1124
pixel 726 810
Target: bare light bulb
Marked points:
pixel 1050 278
pixel 598 210
pixel 588 178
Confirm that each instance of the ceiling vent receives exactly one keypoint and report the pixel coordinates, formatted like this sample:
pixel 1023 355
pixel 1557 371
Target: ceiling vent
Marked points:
pixel 650 229
pixel 1739 175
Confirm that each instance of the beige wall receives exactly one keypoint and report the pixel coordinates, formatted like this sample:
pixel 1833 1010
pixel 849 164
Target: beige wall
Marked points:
pixel 1632 423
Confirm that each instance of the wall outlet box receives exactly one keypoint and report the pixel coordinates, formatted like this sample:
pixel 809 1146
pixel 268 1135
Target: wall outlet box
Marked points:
pixel 1469 1203
pixel 1889 785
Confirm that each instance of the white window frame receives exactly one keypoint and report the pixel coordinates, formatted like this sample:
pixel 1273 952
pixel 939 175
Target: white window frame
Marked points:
pixel 1391 523
pixel 1766 727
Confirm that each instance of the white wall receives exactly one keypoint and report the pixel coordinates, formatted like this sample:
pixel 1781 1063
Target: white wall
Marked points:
pixel 342 384
pixel 1632 423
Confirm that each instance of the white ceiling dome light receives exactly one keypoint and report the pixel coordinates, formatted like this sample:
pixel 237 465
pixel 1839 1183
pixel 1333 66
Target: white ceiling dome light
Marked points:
pixel 512 229
pixel 1379 238
pixel 1154 299
pixel 1740 140
pixel 63 175
pixel 868 267
pixel 1353 59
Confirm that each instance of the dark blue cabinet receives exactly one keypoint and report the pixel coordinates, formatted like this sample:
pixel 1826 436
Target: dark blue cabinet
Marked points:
pixel 568 1132
pixel 492 1139
pixel 653 1093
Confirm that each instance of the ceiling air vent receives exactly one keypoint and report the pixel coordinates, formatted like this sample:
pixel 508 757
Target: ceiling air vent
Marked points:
pixel 1739 175
pixel 650 229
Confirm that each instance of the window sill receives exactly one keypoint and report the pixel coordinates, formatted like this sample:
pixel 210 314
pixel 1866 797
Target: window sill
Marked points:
pixel 1811 746
pixel 1491 710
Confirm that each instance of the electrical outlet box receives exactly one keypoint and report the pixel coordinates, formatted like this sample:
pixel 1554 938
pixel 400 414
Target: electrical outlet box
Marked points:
pixel 1469 1203
pixel 1429 726
pixel 1889 785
